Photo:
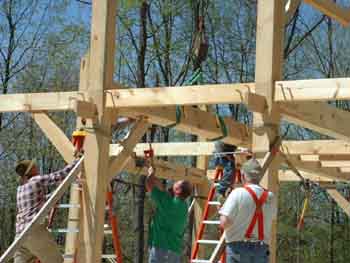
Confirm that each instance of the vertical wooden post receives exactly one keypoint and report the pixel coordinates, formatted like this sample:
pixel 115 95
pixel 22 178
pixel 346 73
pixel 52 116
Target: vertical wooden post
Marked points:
pixel 102 51
pixel 269 58
pixel 74 196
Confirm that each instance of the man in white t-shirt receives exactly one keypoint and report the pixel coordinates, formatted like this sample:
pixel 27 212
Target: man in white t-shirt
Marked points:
pixel 246 217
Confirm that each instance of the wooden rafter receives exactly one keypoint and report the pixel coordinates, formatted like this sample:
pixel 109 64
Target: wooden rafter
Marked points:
pixel 316 147
pixel 316 168
pixel 171 171
pixel 331 9
pixel 319 117
pixel 340 200
pixel 194 121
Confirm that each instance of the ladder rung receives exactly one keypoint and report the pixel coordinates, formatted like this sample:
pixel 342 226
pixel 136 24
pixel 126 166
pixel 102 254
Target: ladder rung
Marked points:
pixel 73 230
pixel 214 203
pixel 68 206
pixel 73 206
pixel 211 222
pixel 200 261
pixel 109 256
pixel 65 230
pixel 205 241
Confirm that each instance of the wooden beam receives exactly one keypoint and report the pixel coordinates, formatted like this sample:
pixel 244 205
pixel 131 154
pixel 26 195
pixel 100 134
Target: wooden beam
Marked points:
pixel 117 164
pixel 285 176
pixel 312 90
pixel 100 78
pixel 289 176
pixel 318 147
pixel 268 69
pixel 171 171
pixel 194 121
pixel 331 9
pixel 169 148
pixel 55 135
pixel 340 200
pixel 319 117
pixel 285 91
pixel 309 150
pixel 185 95
pixel 29 102
pixel 316 168
pixel 72 238
pixel 44 210
pixel 335 157
pixel 335 163
pixel 85 109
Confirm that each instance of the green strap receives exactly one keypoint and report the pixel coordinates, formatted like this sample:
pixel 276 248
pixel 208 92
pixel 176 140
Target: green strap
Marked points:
pixel 194 78
pixel 197 75
pixel 223 127
pixel 178 117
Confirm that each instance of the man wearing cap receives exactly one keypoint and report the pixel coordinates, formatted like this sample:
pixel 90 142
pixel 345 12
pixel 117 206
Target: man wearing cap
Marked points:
pixel 31 196
pixel 168 224
pixel 246 217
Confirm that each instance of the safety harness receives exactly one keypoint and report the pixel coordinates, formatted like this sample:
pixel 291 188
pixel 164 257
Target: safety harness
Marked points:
pixel 258 217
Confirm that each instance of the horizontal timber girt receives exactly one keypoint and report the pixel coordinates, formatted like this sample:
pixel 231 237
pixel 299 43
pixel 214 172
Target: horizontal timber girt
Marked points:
pixel 285 91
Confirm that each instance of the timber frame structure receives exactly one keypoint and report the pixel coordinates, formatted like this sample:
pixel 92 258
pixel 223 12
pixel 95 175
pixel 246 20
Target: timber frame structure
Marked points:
pixel 100 100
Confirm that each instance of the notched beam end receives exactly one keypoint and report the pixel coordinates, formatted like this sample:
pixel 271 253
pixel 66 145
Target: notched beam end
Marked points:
pixel 255 102
pixel 85 109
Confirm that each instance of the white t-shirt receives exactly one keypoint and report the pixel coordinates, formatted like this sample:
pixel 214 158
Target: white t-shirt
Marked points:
pixel 239 207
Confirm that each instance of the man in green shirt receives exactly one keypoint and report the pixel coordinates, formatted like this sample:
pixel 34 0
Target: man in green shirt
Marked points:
pixel 168 224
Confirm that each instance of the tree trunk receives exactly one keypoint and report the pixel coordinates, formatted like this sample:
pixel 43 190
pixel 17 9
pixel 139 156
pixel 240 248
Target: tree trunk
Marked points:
pixel 141 194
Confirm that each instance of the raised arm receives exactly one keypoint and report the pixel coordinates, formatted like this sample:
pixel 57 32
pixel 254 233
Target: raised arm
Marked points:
pixel 56 177
pixel 152 181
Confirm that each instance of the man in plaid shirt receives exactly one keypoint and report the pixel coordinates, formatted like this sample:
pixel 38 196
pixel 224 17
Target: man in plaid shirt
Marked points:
pixel 31 196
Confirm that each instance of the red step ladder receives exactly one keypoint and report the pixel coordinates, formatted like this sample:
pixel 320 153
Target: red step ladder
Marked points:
pixel 205 222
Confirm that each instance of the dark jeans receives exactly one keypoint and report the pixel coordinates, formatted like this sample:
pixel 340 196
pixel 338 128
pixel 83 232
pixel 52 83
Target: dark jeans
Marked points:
pixel 158 255
pixel 228 176
pixel 247 252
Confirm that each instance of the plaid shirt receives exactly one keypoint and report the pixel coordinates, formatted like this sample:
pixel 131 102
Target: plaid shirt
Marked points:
pixel 31 196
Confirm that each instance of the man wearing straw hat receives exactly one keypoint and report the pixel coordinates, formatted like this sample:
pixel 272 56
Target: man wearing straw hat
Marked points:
pixel 31 196
pixel 246 217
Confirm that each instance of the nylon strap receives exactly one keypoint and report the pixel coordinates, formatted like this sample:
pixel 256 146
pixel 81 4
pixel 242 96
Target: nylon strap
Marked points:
pixel 178 115
pixel 221 123
pixel 258 217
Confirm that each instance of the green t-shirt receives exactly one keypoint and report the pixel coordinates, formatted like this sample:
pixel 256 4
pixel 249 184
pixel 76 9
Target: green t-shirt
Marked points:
pixel 168 224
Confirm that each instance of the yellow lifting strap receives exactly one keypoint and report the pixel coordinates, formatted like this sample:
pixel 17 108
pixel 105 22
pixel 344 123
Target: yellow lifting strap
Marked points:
pixel 303 212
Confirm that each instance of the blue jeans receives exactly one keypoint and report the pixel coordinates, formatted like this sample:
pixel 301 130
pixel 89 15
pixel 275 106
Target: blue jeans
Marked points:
pixel 228 174
pixel 247 252
pixel 158 255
